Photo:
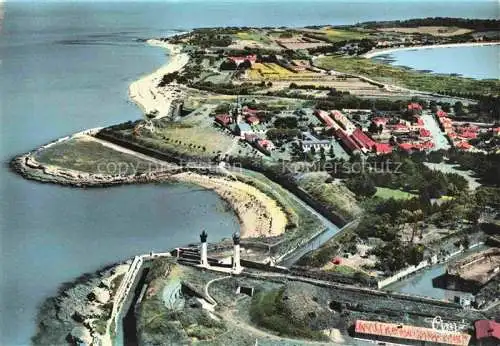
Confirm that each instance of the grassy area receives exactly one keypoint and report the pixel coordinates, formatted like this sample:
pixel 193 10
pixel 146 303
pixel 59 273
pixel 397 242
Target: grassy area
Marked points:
pixel 253 36
pixel 336 35
pixel 92 157
pixel 335 197
pixel 188 139
pixel 343 269
pixel 384 192
pixel 404 77
pixel 267 310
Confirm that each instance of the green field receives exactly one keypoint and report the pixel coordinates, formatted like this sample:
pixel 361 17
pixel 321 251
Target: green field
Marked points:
pixel 408 78
pixel 336 35
pixel 91 157
pixel 384 192
pixel 252 36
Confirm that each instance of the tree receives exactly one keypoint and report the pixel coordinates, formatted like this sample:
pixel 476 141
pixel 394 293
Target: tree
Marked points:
pixel 458 108
pixel 228 65
pixel 245 65
pixel 373 128
pixel 362 185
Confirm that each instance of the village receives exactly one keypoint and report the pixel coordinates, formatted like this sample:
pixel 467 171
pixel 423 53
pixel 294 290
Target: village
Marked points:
pixel 264 117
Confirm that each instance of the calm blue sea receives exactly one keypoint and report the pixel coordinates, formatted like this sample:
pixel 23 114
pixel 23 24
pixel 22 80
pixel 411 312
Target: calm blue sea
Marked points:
pixel 481 62
pixel 64 67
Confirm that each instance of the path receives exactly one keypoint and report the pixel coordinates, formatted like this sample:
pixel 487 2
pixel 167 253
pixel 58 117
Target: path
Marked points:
pixel 438 136
pixel 207 294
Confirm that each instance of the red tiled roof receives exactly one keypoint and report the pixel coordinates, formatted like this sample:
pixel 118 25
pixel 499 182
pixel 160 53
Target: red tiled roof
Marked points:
pixel 468 134
pixel 252 120
pixel 240 59
pixel 420 121
pixel 348 142
pixel 323 116
pixel 411 332
pixel 341 119
pixel 405 146
pixel 487 329
pixel 380 121
pixel 440 113
pixel 425 133
pixel 223 119
pixel 415 106
pixel 463 145
pixel 382 148
pixel 249 110
pixel 362 139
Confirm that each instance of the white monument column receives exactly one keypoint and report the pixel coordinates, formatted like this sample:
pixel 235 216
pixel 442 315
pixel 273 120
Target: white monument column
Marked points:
pixel 236 253
pixel 203 252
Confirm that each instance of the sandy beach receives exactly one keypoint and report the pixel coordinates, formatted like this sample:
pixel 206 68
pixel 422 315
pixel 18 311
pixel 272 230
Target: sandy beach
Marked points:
pixel 259 215
pixel 384 51
pixel 145 91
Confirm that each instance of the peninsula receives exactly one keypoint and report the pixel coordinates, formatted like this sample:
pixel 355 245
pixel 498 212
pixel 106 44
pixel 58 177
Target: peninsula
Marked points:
pixel 346 174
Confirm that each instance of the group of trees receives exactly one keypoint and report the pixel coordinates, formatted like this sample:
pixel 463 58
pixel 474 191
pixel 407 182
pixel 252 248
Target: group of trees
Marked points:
pixel 486 167
pixel 229 64
pixel 474 24
pixel 354 102
pixel 282 134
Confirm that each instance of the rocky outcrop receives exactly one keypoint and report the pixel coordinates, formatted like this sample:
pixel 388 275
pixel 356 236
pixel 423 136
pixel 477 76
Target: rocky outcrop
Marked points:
pixel 80 335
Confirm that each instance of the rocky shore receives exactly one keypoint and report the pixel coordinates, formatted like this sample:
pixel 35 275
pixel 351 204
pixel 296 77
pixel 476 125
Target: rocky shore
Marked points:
pixel 80 312
pixel 28 167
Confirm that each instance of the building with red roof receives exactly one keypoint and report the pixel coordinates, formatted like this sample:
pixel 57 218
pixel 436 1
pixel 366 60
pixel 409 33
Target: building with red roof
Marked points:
pixel 468 134
pixel 347 141
pixel 224 119
pixel 325 118
pixel 382 148
pixel 463 145
pixel 415 107
pixel 239 59
pixel 408 335
pixel 248 111
pixel 362 139
pixel 405 146
pixel 487 332
pixel 420 121
pixel 252 120
pixel 496 131
pixel 424 133
pixel 380 121
pixel 440 113
pixel 342 120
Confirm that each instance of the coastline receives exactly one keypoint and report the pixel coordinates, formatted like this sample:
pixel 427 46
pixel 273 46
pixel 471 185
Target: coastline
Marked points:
pixel 253 208
pixel 383 51
pixel 145 92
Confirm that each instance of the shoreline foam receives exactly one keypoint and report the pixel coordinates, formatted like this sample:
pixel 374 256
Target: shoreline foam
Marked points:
pixel 384 51
pixel 145 92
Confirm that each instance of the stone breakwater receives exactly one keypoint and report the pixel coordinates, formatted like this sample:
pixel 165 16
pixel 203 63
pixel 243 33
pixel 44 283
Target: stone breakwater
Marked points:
pixel 27 166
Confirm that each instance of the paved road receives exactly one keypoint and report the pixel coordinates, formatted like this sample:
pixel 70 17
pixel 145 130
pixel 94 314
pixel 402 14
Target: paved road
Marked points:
pixel 438 136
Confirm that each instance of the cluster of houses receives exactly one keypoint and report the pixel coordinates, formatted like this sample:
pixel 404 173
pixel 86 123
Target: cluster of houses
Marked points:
pixel 458 135
pixel 390 133
pixel 352 138
pixel 243 128
pixel 407 135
